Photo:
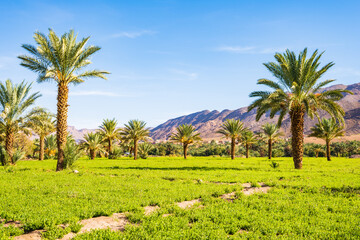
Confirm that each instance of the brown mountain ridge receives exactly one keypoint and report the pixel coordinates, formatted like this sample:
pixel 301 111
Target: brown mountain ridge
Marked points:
pixel 208 122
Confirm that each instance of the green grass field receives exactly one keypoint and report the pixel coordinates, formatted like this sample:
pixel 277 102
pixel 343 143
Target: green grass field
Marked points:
pixel 322 201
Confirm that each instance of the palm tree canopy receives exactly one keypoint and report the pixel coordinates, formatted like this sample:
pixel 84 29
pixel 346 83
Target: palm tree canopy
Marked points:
pixel 92 141
pixel 61 59
pixel 42 122
pixel 248 137
pixel 231 128
pixel 271 132
pixel 185 134
pixel 327 129
pixel 15 99
pixel 135 130
pixel 108 129
pixel 298 88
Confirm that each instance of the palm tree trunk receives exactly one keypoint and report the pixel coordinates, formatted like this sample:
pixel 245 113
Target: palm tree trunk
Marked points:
pixel 185 150
pixel 42 143
pixel 297 131
pixel 61 126
pixel 247 150
pixel 110 147
pixel 9 145
pixel 269 148
pixel 328 154
pixel 135 149
pixel 232 148
pixel 92 154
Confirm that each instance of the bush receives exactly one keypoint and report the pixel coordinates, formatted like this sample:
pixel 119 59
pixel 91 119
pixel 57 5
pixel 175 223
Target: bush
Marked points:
pixel 116 153
pixel 144 149
pixel 72 153
pixel 274 164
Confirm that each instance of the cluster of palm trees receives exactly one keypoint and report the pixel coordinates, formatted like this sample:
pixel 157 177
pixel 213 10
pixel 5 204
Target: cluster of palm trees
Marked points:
pixel 65 60
pixel 108 135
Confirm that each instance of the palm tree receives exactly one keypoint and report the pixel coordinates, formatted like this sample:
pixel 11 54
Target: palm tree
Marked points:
pixel 135 130
pixel 248 138
pixel 50 145
pixel 63 60
pixel 297 93
pixel 270 134
pixel 93 143
pixel 186 135
pixel 43 124
pixel 15 99
pixel 109 133
pixel 327 129
pixel 144 149
pixel 232 129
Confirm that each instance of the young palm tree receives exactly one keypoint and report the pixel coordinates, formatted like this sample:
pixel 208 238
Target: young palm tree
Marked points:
pixel 232 129
pixel 50 145
pixel 109 133
pixel 186 135
pixel 93 144
pixel 297 93
pixel 144 149
pixel 135 130
pixel 63 60
pixel 248 138
pixel 43 124
pixel 327 129
pixel 15 99
pixel 270 134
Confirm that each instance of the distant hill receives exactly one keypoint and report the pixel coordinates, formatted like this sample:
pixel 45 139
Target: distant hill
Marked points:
pixel 79 134
pixel 208 122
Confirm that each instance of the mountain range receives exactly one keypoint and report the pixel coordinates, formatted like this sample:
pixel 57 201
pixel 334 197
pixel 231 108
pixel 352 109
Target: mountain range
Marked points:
pixel 208 122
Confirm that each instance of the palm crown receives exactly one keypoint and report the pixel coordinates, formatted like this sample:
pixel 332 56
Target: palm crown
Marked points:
pixel 232 129
pixel 61 59
pixel 93 143
pixel 109 132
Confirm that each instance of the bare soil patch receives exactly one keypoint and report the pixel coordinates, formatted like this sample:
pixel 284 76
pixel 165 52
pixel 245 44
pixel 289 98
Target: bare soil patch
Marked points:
pixel 34 235
pixel 150 209
pixel 187 204
pixel 116 222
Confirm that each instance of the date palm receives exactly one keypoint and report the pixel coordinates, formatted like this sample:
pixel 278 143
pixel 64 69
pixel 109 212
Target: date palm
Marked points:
pixel 93 144
pixel 186 135
pixel 42 123
pixel 136 131
pixel 232 129
pixel 109 133
pixel 270 134
pixel 297 93
pixel 15 100
pixel 62 60
pixel 248 138
pixel 50 145
pixel 327 129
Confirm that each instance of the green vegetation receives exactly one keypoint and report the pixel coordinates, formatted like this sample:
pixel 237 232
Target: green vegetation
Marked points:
pixel 297 93
pixel 320 202
pixel 270 133
pixel 232 129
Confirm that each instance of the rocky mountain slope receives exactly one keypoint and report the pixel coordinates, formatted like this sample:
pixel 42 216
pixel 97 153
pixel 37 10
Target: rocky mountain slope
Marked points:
pixel 208 122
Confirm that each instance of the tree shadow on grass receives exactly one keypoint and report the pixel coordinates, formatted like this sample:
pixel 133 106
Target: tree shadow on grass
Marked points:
pixel 182 168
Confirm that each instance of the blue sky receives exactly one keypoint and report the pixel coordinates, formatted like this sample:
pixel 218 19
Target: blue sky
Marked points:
pixel 168 58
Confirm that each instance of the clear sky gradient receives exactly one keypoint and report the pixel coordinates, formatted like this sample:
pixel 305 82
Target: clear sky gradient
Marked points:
pixel 168 58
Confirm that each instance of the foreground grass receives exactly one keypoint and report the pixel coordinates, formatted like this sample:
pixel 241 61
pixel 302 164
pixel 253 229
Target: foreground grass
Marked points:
pixel 322 201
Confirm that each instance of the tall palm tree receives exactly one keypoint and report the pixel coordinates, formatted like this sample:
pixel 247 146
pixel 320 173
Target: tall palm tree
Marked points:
pixel 43 124
pixel 93 143
pixel 135 130
pixel 109 133
pixel 327 129
pixel 270 134
pixel 63 60
pixel 15 99
pixel 248 138
pixel 297 93
pixel 232 129
pixel 186 135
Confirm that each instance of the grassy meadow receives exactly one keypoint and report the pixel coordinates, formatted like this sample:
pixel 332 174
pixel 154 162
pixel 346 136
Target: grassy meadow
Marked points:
pixel 322 201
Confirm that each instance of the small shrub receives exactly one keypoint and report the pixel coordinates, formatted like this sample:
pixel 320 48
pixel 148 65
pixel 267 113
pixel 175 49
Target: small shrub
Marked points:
pixel 274 164
pixel 72 153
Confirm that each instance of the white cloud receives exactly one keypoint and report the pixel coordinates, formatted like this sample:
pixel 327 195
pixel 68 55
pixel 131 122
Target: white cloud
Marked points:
pixel 132 34
pixel 249 50
pixel 188 75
